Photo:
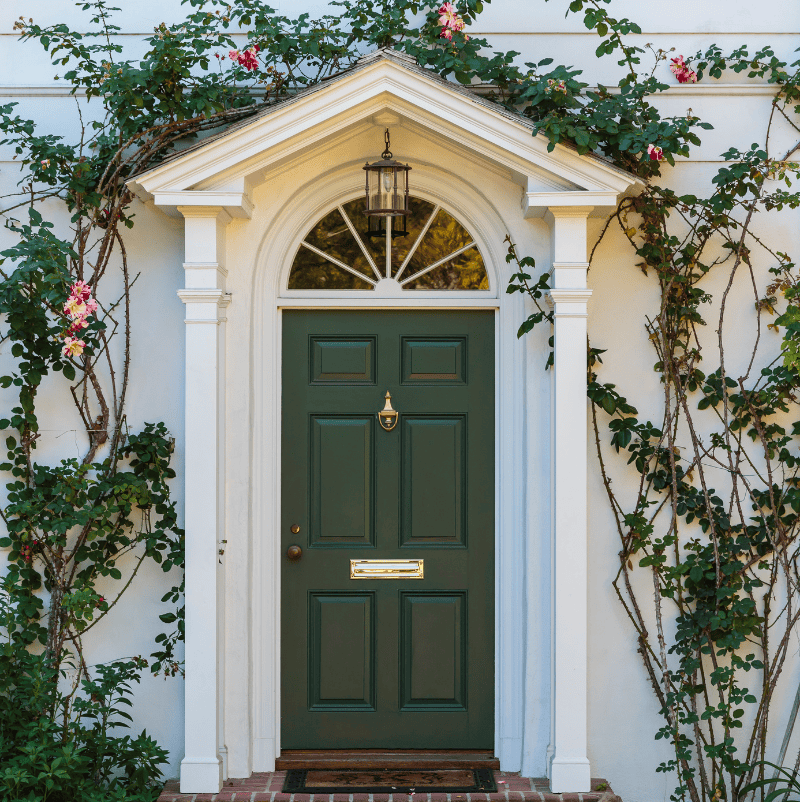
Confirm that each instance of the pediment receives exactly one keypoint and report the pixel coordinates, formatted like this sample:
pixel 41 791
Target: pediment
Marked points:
pixel 384 88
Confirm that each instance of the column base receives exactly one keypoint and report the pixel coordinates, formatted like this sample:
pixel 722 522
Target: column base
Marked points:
pixel 570 776
pixel 201 775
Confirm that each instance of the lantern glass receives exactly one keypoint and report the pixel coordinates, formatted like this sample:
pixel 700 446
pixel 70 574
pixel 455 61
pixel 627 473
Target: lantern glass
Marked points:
pixel 387 194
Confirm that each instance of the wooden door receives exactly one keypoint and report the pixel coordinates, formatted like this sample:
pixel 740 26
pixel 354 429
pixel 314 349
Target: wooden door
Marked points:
pixel 388 663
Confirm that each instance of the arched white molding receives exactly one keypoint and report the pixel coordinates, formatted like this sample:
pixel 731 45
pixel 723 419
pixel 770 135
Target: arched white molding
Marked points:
pixel 278 246
pixel 472 209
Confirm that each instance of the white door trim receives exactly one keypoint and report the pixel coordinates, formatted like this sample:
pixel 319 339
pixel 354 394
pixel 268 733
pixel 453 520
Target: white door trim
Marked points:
pixel 487 226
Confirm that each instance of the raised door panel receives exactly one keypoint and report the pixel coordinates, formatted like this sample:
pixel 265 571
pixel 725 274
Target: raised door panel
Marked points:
pixel 434 476
pixel 342 480
pixel 344 360
pixel 433 651
pixel 434 360
pixel 341 654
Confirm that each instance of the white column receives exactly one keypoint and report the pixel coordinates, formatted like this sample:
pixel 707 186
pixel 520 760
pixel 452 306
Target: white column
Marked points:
pixel 205 300
pixel 569 767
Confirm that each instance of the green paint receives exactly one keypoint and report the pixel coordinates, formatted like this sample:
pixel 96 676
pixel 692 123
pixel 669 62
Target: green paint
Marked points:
pixel 388 663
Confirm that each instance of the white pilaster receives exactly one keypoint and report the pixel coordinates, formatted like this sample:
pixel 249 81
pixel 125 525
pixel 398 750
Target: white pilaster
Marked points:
pixel 569 767
pixel 205 300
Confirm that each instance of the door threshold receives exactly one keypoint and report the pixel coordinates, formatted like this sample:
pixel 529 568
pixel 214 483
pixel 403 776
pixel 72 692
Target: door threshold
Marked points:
pixel 407 759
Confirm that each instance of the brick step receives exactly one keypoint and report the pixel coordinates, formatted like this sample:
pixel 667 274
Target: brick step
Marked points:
pixel 266 787
pixel 398 759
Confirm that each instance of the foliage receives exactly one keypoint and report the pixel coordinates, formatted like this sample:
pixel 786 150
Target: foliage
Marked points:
pixel 714 513
pixel 783 786
pixel 718 551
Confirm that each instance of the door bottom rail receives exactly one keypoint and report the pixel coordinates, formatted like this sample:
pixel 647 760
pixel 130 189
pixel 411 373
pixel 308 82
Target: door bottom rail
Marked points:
pixel 407 759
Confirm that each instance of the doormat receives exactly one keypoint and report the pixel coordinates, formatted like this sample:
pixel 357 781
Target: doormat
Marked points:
pixel 388 781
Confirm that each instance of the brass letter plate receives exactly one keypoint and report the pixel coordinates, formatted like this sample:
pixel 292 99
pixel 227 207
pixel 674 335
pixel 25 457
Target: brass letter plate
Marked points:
pixel 386 569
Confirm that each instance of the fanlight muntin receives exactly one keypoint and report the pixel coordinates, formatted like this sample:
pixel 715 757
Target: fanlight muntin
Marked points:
pixel 437 253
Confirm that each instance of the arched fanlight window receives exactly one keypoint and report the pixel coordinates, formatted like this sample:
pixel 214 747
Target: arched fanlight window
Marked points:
pixel 438 253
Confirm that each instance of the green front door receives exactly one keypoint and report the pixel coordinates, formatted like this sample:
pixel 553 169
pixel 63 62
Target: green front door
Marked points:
pixel 387 662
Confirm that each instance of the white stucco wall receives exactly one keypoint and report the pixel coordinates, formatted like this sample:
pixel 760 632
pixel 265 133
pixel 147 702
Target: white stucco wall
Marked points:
pixel 623 710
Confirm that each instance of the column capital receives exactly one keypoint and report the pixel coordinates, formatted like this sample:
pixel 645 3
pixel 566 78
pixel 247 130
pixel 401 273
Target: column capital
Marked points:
pixel 559 212
pixel 217 213
pixel 568 295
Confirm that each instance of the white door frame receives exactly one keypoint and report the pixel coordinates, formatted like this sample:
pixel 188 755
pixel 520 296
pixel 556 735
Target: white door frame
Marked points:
pixel 475 212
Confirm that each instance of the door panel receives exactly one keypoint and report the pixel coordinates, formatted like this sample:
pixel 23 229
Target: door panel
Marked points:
pixel 433 633
pixel 342 502
pixel 429 361
pixel 388 663
pixel 341 629
pixel 433 492
pixel 342 361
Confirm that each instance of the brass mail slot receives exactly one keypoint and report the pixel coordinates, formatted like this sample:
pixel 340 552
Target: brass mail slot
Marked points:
pixel 386 569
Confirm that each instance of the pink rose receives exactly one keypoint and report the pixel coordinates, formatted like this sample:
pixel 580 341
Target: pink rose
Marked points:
pixel 73 346
pixel 248 59
pixel 682 72
pixel 446 14
pixel 77 325
pixel 655 153
pixel 80 289
pixel 450 21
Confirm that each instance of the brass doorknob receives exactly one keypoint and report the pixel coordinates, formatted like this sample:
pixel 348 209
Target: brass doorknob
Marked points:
pixel 294 553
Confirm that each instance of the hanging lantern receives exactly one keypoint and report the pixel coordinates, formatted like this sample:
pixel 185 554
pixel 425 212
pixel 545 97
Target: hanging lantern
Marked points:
pixel 387 195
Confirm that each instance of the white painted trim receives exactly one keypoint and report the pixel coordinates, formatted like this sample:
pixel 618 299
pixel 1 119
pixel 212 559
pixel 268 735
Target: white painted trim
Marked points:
pixel 536 204
pixel 279 244
pixel 202 769
pixel 569 768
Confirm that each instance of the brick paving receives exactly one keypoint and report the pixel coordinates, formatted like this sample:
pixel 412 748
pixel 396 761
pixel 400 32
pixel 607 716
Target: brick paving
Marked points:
pixel 266 787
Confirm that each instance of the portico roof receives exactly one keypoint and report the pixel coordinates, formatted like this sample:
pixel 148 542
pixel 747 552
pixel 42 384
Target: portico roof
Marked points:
pixel 385 87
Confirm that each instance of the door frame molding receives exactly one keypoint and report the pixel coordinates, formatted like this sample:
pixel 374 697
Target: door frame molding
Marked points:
pixel 279 245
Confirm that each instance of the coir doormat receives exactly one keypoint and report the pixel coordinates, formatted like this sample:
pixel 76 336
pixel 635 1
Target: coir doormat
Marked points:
pixel 388 781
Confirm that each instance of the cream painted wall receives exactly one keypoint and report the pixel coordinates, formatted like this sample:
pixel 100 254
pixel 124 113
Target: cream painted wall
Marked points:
pixel 623 714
